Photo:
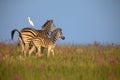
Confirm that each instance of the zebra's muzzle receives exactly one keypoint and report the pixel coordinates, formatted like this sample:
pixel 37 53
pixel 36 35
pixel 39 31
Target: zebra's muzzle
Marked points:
pixel 62 37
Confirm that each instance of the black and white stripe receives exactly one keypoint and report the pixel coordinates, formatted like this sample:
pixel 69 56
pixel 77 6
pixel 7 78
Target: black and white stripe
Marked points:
pixel 27 34
pixel 46 42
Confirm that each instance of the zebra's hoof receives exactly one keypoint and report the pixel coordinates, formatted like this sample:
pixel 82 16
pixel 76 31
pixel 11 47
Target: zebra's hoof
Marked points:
pixel 38 55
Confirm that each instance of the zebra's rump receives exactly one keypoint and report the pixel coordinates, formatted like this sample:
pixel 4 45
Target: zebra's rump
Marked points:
pixel 29 33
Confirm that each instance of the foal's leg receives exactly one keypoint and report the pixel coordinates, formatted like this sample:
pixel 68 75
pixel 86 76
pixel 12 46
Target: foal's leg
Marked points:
pixel 49 50
pixel 38 54
pixel 31 50
pixel 52 51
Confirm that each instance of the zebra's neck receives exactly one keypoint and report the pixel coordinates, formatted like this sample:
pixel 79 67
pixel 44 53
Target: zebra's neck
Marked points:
pixel 47 28
pixel 54 39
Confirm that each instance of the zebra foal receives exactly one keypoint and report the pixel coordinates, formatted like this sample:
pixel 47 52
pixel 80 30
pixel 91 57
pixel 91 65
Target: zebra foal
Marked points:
pixel 46 42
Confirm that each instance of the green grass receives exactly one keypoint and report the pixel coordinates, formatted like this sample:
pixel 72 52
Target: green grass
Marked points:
pixel 70 62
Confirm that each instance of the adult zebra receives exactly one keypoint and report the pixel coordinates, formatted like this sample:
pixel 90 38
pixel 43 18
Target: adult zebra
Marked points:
pixel 46 42
pixel 27 34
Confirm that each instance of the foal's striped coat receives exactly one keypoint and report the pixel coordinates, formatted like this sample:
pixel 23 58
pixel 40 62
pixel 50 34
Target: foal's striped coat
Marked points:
pixel 46 42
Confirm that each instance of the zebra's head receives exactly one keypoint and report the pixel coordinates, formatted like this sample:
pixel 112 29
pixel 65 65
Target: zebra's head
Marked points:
pixel 58 33
pixel 49 26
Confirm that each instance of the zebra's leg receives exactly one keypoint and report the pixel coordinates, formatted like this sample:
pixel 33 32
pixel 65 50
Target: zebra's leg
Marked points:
pixel 38 54
pixel 31 50
pixel 22 45
pixel 42 49
pixel 52 51
pixel 49 50
pixel 26 49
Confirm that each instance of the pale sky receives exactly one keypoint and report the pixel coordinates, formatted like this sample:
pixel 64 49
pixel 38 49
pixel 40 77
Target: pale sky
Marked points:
pixel 82 21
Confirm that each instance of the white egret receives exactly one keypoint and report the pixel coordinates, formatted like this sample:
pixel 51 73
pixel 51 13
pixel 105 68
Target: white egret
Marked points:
pixel 30 21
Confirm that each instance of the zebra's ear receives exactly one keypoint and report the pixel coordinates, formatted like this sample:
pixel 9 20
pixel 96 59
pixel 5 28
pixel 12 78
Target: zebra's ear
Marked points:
pixel 51 20
pixel 60 29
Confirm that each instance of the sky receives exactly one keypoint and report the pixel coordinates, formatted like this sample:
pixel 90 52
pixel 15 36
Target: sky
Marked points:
pixel 82 21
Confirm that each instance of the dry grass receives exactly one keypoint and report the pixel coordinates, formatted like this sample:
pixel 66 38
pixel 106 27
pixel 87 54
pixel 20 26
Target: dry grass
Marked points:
pixel 70 62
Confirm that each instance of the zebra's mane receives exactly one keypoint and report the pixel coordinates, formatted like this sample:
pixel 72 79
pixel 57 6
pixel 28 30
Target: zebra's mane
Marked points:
pixel 27 28
pixel 45 26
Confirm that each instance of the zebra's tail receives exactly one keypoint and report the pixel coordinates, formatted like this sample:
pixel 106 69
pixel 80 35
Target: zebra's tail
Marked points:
pixel 13 31
pixel 12 34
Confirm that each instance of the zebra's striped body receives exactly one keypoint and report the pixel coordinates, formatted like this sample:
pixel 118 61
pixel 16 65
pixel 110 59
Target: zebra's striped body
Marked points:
pixel 46 42
pixel 27 34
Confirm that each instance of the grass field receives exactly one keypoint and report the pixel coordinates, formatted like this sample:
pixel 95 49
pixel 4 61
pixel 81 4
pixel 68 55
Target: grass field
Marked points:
pixel 70 62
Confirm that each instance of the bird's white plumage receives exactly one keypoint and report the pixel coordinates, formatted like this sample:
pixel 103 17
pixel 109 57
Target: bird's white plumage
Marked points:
pixel 30 21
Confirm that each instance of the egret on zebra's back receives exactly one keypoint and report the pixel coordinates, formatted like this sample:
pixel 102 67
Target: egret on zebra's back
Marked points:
pixel 30 21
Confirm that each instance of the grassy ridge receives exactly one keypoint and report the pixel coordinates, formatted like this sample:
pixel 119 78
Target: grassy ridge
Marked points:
pixel 70 62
